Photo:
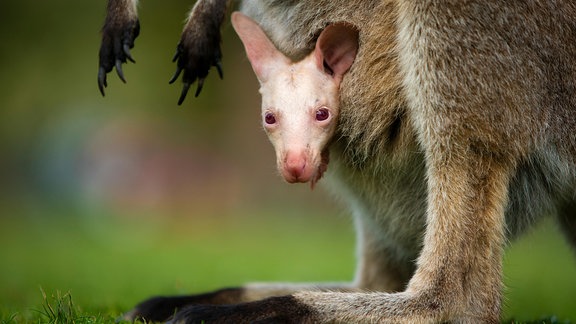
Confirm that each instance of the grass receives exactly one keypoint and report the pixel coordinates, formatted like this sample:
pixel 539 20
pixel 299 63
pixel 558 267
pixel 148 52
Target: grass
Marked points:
pixel 59 308
pixel 90 270
pixel 108 265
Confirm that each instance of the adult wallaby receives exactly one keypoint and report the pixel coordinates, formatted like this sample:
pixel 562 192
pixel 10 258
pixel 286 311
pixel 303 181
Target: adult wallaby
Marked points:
pixel 457 131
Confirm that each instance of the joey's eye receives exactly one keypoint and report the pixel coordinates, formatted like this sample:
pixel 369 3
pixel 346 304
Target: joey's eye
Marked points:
pixel 269 118
pixel 322 114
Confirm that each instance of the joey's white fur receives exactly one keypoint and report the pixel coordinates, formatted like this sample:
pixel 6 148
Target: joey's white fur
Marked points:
pixel 300 100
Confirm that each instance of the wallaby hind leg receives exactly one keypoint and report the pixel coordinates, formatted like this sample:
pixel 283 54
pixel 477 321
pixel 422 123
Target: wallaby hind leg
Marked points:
pixel 161 308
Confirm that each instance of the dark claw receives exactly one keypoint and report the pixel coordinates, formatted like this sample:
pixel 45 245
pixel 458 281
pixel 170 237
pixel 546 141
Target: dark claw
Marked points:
pixel 199 88
pixel 118 35
pixel 102 80
pixel 177 54
pixel 119 70
pixel 184 92
pixel 126 49
pixel 176 75
pixel 218 66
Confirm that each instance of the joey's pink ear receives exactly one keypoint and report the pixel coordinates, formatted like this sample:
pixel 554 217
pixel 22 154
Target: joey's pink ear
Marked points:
pixel 261 53
pixel 336 48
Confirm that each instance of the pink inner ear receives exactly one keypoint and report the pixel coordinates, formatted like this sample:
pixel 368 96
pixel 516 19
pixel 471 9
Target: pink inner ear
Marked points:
pixel 336 48
pixel 262 54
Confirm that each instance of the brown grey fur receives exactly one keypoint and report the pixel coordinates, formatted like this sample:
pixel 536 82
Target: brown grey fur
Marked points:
pixel 457 133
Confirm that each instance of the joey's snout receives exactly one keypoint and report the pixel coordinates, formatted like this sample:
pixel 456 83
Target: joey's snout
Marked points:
pixel 296 167
pixel 303 166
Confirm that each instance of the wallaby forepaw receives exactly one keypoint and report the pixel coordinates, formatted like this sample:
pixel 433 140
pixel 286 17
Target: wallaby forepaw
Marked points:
pixel 195 55
pixel 117 40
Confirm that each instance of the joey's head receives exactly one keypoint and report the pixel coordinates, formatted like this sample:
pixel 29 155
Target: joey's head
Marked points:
pixel 300 100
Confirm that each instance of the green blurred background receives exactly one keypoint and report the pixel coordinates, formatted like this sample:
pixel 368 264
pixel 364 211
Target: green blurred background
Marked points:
pixel 119 198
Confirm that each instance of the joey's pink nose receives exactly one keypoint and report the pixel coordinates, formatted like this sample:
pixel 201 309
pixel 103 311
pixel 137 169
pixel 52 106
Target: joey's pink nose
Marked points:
pixel 295 168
